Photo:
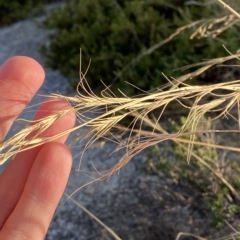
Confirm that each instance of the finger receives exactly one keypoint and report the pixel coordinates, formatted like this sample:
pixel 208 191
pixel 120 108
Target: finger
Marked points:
pixel 16 174
pixel 42 192
pixel 20 78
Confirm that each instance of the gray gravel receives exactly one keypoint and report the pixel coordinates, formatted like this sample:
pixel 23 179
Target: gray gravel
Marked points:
pixel 133 204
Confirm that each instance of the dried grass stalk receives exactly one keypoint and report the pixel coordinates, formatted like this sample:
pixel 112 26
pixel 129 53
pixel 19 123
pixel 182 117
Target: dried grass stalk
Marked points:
pixel 115 109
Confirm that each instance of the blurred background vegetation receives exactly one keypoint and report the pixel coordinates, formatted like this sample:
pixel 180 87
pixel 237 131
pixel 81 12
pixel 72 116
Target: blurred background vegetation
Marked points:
pixel 121 38
pixel 14 10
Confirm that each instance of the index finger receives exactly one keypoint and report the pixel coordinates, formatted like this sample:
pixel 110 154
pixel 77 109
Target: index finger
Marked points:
pixel 20 78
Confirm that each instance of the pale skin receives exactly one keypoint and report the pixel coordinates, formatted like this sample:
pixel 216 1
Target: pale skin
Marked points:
pixel 33 182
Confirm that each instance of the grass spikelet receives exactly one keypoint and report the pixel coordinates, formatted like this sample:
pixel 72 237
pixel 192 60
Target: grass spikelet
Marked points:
pixel 114 109
pixel 28 138
pixel 211 28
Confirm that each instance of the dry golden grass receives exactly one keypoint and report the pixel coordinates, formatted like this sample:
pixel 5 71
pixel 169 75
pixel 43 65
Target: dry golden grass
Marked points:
pixel 115 109
pixel 112 110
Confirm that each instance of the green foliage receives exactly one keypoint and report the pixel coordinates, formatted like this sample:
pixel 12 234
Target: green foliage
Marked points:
pixel 14 10
pixel 216 195
pixel 114 33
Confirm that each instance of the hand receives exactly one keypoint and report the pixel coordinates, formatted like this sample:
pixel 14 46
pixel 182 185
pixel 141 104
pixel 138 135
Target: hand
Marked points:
pixel 33 182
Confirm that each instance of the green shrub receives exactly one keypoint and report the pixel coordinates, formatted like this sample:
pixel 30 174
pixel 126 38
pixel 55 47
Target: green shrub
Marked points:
pixel 113 33
pixel 14 10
